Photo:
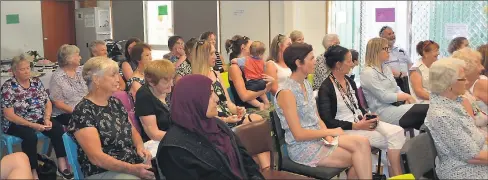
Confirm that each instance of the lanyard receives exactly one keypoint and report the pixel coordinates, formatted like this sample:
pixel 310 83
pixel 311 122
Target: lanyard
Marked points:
pixel 347 92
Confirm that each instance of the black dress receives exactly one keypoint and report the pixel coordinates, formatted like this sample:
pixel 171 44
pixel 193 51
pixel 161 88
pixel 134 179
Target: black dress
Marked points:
pixel 147 104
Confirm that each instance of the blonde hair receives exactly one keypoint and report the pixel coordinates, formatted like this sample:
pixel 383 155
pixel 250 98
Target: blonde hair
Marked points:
pixel 64 52
pixel 483 49
pixel 20 58
pixel 373 49
pixel 443 73
pixel 274 47
pixel 199 58
pixel 469 56
pixel 327 40
pixel 159 69
pixel 295 35
pixel 97 66
pixel 257 48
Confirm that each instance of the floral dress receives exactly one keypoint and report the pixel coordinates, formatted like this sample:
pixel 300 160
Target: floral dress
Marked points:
pixel 28 103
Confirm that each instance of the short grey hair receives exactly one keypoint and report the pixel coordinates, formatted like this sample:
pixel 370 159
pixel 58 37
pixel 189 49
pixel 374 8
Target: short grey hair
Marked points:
pixel 93 46
pixel 443 73
pixel 327 41
pixel 64 52
pixel 97 66
pixel 20 58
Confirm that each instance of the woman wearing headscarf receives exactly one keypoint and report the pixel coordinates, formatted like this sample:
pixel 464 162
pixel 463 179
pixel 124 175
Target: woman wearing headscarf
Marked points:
pixel 199 140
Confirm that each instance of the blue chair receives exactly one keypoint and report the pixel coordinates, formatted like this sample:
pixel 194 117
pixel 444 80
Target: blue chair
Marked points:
pixel 72 155
pixel 10 141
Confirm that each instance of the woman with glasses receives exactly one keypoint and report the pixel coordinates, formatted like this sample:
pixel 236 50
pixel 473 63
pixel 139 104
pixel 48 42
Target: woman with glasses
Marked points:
pixel 462 149
pixel 419 72
pixel 276 67
pixel 383 95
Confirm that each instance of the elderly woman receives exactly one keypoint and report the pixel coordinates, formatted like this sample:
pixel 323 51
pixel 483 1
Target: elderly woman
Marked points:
pixel 185 67
pixel 297 37
pixel 140 54
pixel 177 55
pixel 275 66
pixel 200 146
pixel 67 86
pixel 461 147
pixel 110 148
pixel 477 88
pixel 309 141
pixel 128 66
pixel 210 37
pixel 419 72
pixel 27 110
pixel 382 93
pixel 457 43
pixel 321 71
pixel 338 105
pixel 151 106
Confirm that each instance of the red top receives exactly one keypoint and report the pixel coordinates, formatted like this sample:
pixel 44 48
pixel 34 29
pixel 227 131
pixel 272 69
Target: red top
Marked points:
pixel 254 68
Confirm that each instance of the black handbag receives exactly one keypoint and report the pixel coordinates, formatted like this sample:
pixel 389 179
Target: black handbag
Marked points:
pixel 402 82
pixel 46 170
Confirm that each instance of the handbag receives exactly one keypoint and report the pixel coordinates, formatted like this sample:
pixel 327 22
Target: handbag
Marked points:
pixel 46 170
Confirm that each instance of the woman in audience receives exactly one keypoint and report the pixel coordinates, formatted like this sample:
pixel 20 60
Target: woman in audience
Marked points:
pixel 198 145
pixel 27 110
pixel 419 72
pixel 67 86
pixel 355 61
pixel 177 55
pixel 210 37
pixel 151 106
pixel 309 141
pixel 275 66
pixel 483 49
pixel 382 93
pixel 321 71
pixel 128 66
pixel 457 43
pixel 140 54
pixel 461 147
pixel 185 67
pixel 99 48
pixel 297 37
pixel 15 166
pixel 110 148
pixel 338 106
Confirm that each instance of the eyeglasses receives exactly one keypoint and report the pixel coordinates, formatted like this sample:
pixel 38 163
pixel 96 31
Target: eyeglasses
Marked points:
pixel 461 79
pixel 387 49
pixel 279 39
pixel 198 44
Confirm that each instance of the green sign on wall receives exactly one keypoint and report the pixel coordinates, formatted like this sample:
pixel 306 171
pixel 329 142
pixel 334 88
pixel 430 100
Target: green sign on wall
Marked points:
pixel 13 19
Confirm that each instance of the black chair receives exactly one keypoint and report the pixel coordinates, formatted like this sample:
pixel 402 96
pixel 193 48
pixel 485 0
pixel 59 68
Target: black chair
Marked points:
pixel 418 157
pixel 286 164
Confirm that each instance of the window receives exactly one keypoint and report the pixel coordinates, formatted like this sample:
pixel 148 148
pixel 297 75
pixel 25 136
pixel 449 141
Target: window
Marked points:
pixel 158 16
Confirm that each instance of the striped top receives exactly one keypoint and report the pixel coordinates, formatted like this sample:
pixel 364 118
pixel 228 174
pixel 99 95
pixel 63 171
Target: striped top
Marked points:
pixel 218 63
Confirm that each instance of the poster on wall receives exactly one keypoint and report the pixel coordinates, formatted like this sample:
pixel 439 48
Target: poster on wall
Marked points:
pixel 89 20
pixel 385 14
pixel 452 30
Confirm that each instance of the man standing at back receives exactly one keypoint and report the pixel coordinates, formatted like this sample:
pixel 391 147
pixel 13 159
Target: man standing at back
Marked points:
pixel 399 61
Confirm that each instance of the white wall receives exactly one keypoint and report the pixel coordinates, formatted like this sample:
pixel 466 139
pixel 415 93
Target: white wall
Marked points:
pixel 25 36
pixel 309 17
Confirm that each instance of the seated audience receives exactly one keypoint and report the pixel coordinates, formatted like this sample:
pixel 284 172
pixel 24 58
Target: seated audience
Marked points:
pixel 99 48
pixel 483 49
pixel 419 72
pixel 338 106
pixel 198 145
pixel 382 92
pixel 275 65
pixel 461 147
pixel 297 37
pixel 128 66
pixel 15 166
pixel 151 106
pixel 67 86
pixel 27 110
pixel 457 43
pixel 177 55
pixel 253 67
pixel 308 139
pixel 140 54
pixel 109 147
pixel 185 67
pixel 210 37
pixel 321 71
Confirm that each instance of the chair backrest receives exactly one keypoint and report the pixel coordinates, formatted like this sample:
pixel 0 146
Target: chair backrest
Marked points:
pixel 418 155
pixel 255 136
pixel 279 136
pixel 72 155
pixel 129 107
pixel 362 99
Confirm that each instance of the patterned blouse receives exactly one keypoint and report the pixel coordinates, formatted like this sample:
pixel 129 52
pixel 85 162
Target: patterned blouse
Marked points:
pixel 28 103
pixel 456 139
pixel 170 57
pixel 134 79
pixel 321 72
pixel 184 68
pixel 67 89
pixel 113 127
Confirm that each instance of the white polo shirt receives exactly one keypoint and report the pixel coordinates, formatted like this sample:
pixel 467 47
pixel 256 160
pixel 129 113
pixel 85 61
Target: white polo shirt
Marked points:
pixel 399 60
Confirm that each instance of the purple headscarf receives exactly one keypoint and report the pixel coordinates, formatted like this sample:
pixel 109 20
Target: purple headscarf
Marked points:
pixel 189 103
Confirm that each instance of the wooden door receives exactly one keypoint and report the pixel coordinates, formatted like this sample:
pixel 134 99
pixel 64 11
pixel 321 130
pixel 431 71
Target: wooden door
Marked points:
pixel 58 25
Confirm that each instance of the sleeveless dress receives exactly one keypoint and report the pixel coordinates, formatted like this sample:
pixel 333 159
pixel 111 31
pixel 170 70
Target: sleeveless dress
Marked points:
pixel 282 74
pixel 423 70
pixel 308 152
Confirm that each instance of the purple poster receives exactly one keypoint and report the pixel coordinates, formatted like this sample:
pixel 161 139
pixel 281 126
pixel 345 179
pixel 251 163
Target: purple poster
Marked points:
pixel 385 14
